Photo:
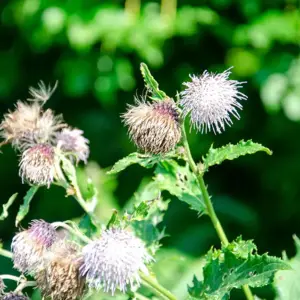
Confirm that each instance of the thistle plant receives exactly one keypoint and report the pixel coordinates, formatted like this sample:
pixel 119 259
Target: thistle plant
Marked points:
pixel 68 261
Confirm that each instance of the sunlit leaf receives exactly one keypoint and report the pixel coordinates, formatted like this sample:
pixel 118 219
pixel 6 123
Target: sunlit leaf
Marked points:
pixel 6 206
pixel 24 208
pixel 180 182
pixel 229 152
pixel 151 83
pixel 231 268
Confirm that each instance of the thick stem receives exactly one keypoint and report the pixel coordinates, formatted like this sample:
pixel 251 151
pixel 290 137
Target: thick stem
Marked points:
pixel 72 230
pixel 210 209
pixel 24 285
pixel 156 287
pixel 5 253
pixel 10 277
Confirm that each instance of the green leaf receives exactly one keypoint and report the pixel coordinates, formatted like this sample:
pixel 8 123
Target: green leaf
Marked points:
pixel 180 182
pixel 287 283
pixel 151 83
pixel 6 206
pixel 144 160
pixel 230 152
pixel 24 208
pixel 87 226
pixel 230 268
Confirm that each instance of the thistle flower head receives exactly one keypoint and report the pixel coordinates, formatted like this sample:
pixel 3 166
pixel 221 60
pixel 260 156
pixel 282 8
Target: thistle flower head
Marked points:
pixel 29 246
pixel 154 127
pixel 114 261
pixel 14 296
pixel 60 278
pixel 72 141
pixel 37 164
pixel 211 99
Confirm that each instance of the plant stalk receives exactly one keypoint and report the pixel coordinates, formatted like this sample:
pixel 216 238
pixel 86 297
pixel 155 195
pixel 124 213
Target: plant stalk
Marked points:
pixel 210 209
pixel 5 253
pixel 157 288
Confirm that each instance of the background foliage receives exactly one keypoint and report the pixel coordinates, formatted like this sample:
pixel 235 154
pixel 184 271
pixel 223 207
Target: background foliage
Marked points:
pixel 94 49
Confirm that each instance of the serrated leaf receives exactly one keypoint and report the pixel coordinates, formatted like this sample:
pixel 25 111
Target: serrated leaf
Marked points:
pixel 151 83
pixel 287 283
pixel 225 270
pixel 229 152
pixel 6 206
pixel 146 161
pixel 180 182
pixel 24 208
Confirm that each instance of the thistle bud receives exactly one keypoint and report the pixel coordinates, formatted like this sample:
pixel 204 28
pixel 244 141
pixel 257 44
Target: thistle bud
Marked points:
pixel 73 142
pixel 60 278
pixel 29 246
pixel 37 164
pixel 14 296
pixel 114 261
pixel 211 99
pixel 154 127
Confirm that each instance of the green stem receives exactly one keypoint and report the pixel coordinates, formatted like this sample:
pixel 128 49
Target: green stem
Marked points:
pixel 210 209
pixel 5 253
pixel 156 287
pixel 72 230
pixel 24 285
pixel 10 277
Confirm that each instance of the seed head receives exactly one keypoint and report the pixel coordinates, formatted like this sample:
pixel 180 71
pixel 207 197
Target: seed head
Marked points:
pixel 37 164
pixel 211 99
pixel 29 246
pixel 114 261
pixel 42 93
pixel 14 296
pixel 60 279
pixel 72 141
pixel 154 127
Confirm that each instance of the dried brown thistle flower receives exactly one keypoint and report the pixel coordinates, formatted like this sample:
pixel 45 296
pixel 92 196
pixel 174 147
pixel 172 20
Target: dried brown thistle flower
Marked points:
pixel 60 279
pixel 29 246
pixel 37 164
pixel 154 127
pixel 14 296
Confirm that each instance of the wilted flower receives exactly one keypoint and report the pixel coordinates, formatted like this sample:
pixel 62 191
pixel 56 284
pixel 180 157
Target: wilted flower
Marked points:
pixel 114 261
pixel 73 142
pixel 211 99
pixel 14 296
pixel 29 246
pixel 154 127
pixel 37 164
pixel 60 278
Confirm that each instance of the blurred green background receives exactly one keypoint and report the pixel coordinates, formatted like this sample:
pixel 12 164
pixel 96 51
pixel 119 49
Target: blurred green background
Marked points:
pixel 94 48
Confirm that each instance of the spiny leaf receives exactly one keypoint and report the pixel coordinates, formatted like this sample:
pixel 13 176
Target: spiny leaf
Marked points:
pixel 6 206
pixel 151 83
pixel 230 152
pixel 226 270
pixel 144 160
pixel 287 283
pixel 24 208
pixel 180 182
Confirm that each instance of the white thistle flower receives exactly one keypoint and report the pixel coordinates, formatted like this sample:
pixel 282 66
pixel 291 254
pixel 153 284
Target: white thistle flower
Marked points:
pixel 37 164
pixel 14 296
pixel 74 143
pixel 43 93
pixel 29 246
pixel 114 261
pixel 211 99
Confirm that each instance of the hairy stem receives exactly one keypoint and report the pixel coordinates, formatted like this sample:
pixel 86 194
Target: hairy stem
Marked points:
pixel 210 209
pixel 10 277
pixel 156 287
pixel 72 230
pixel 5 253
pixel 24 285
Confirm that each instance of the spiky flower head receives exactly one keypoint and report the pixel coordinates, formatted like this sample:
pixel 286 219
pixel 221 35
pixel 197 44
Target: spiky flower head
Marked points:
pixel 28 122
pixel 43 93
pixel 114 261
pixel 211 99
pixel 73 142
pixel 14 296
pixel 154 127
pixel 29 246
pixel 60 278
pixel 37 164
